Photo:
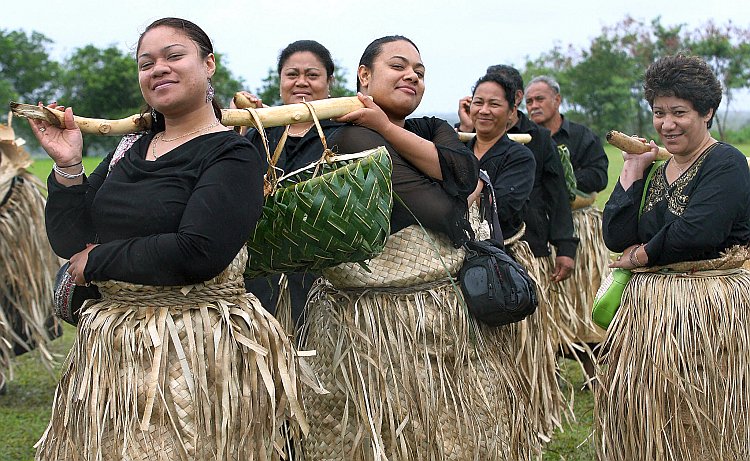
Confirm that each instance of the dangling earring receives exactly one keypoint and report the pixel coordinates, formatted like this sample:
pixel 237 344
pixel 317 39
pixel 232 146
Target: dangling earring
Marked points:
pixel 210 92
pixel 153 117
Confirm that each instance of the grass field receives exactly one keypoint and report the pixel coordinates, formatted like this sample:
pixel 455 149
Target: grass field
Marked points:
pixel 25 409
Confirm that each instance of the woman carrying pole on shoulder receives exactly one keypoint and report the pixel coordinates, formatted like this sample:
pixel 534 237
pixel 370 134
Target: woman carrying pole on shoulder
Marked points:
pixel 175 361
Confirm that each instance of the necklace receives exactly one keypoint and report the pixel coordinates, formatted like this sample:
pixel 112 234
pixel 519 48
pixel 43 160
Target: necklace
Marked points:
pixel 301 133
pixel 160 137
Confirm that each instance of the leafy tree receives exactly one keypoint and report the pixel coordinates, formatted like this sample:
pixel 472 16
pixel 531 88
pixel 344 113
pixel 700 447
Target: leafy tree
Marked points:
pixel 269 91
pixel 602 85
pixel 224 82
pixel 27 74
pixel 101 83
pixel 727 50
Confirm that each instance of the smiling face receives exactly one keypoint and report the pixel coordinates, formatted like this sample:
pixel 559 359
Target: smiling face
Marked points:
pixel 172 74
pixel 303 76
pixel 396 79
pixel 542 103
pixel 489 110
pixel 681 128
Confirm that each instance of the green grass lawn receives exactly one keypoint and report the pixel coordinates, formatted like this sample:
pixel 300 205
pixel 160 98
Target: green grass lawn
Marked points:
pixel 25 409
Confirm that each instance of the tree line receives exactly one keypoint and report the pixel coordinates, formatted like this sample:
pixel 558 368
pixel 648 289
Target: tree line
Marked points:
pixel 601 83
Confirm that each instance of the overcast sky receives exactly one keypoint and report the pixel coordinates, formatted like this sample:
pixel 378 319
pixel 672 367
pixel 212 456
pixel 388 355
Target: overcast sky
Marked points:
pixel 457 40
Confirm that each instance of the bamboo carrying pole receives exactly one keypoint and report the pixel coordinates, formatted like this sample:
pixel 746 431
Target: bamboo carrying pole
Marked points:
pixel 523 138
pixel 634 145
pixel 269 116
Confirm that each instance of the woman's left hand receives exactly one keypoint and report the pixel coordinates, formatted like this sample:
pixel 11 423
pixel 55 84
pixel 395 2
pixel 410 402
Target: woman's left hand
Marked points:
pixel 371 116
pixel 78 264
pixel 632 257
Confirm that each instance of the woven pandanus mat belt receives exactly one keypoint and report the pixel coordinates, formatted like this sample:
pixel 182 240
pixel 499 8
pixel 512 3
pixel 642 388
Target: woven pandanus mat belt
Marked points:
pixel 159 296
pixel 412 256
pixel 729 260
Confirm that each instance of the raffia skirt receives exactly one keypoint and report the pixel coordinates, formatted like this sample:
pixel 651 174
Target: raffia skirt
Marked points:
pixel 411 376
pixel 27 273
pixel 675 379
pixel 162 373
pixel 536 337
pixel 574 312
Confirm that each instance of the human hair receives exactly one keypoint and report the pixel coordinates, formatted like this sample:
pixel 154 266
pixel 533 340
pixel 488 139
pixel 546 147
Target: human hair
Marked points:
pixel 376 47
pixel 549 81
pixel 685 77
pixel 504 81
pixel 205 47
pixel 311 46
pixel 510 72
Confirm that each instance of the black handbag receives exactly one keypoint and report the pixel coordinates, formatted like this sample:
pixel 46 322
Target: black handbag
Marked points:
pixel 69 297
pixel 497 289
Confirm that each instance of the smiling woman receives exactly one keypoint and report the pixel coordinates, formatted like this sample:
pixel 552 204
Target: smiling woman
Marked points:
pixel 169 352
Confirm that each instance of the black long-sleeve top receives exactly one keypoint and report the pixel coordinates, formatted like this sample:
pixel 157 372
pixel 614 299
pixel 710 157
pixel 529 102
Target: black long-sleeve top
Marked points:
pixel 511 168
pixel 178 220
pixel 549 218
pixel 587 155
pixel 702 213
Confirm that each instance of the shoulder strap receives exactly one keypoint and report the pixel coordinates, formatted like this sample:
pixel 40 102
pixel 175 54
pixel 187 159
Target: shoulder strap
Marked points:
pixel 650 175
pixel 497 232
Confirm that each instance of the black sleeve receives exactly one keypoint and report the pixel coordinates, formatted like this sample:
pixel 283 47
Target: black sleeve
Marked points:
pixel 513 183
pixel 557 203
pixel 458 165
pixel 620 216
pixel 719 199
pixel 68 212
pixel 590 164
pixel 219 217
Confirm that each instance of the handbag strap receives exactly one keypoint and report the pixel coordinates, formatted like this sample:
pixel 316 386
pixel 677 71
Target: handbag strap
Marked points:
pixel 650 176
pixel 497 231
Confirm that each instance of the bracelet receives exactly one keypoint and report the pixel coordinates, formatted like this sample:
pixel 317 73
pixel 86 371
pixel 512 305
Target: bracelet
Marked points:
pixel 633 256
pixel 71 165
pixel 65 175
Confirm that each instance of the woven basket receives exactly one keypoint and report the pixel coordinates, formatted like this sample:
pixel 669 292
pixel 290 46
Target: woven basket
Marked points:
pixel 405 261
pixel 332 211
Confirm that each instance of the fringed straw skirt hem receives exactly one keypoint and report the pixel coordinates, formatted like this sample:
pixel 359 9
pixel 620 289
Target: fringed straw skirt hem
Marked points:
pixel 675 380
pixel 169 373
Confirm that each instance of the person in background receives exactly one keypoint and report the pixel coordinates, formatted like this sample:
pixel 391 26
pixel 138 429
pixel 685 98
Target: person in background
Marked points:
pixel 583 149
pixel 165 365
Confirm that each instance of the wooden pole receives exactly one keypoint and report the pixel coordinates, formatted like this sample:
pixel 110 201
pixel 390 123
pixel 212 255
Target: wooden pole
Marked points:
pixel 269 116
pixel 523 138
pixel 633 145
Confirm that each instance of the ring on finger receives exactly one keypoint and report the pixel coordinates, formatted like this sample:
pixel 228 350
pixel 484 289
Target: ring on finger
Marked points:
pixel 42 129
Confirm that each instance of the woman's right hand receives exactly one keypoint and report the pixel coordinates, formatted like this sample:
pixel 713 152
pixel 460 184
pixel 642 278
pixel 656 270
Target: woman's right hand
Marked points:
pixel 635 164
pixel 65 144
pixel 249 97
pixel 465 123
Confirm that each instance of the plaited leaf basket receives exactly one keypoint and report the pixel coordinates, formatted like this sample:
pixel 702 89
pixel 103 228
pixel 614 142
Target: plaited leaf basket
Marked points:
pixel 334 211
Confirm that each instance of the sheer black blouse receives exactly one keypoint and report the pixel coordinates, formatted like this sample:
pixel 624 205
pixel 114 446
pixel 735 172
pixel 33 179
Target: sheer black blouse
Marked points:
pixel 178 220
pixel 702 213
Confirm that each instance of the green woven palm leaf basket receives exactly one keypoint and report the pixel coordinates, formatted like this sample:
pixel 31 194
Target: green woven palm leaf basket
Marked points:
pixel 317 219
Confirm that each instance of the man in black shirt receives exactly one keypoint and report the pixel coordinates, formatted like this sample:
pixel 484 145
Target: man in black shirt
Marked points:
pixel 549 218
pixel 586 152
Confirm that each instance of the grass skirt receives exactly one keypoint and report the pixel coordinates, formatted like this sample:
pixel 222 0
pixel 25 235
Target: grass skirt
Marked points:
pixel 536 345
pixel 162 373
pixel 592 259
pixel 675 379
pixel 411 376
pixel 27 272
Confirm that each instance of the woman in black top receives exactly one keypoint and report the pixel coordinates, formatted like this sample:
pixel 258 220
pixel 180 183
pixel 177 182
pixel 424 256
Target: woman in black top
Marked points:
pixel 681 328
pixel 395 346
pixel 306 70
pixel 510 165
pixel 164 365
